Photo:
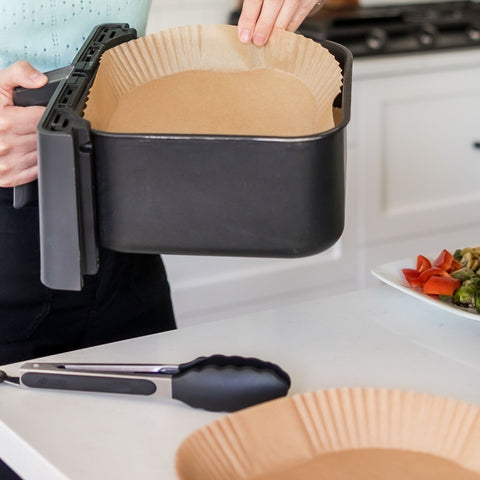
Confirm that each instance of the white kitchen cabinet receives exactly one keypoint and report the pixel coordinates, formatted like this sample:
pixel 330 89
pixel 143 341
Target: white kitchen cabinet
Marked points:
pixel 416 147
pixel 418 183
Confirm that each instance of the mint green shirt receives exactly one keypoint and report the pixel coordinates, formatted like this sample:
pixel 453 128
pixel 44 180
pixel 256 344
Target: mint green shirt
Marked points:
pixel 49 33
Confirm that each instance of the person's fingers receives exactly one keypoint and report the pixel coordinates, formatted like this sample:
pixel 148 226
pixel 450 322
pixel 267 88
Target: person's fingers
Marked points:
pixel 286 13
pixel 18 144
pixel 12 152
pixel 29 145
pixel 266 21
pixel 28 175
pixel 20 120
pixel 19 74
pixel 18 169
pixel 248 18
pixel 300 14
pixel 17 157
pixel 258 18
pixel 19 178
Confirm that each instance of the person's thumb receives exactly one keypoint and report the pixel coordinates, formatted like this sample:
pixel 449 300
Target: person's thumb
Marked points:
pixel 20 74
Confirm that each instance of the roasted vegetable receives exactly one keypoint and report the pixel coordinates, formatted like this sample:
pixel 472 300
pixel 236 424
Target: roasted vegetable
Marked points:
pixel 469 257
pixel 454 278
pixel 463 274
pixel 468 295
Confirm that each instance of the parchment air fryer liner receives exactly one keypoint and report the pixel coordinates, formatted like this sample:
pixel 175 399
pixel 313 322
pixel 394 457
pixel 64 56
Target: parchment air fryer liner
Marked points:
pixel 201 80
pixel 339 434
pixel 280 194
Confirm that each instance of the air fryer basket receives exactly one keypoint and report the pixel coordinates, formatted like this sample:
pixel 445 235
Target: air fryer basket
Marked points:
pixel 180 194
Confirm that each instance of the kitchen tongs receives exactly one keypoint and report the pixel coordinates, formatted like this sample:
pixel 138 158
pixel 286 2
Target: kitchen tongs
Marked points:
pixel 216 383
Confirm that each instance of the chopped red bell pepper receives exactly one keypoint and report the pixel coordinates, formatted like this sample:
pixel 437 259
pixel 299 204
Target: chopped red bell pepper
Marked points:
pixel 423 263
pixel 456 265
pixel 410 275
pixel 444 260
pixel 441 285
pixel 424 276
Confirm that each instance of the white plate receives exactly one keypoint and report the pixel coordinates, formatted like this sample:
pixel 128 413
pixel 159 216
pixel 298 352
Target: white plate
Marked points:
pixel 391 274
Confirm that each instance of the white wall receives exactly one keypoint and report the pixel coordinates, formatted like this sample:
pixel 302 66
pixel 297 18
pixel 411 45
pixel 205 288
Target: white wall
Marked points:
pixel 173 13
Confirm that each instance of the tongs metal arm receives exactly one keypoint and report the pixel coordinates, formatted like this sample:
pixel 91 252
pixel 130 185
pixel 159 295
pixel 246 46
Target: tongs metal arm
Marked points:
pixel 143 368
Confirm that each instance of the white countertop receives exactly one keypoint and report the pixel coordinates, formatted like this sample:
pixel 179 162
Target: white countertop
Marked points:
pixel 372 338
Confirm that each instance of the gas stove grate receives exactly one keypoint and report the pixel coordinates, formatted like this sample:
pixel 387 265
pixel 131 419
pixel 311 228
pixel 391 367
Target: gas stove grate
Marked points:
pixel 400 28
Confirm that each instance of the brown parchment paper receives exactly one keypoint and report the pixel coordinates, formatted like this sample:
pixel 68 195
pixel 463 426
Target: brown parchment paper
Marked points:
pixel 339 434
pixel 201 80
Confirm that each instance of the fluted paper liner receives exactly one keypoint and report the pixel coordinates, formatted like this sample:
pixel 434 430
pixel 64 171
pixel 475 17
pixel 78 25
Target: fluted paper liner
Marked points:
pixel 201 80
pixel 339 434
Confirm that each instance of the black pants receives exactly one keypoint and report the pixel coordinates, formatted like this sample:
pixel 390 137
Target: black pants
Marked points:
pixel 129 297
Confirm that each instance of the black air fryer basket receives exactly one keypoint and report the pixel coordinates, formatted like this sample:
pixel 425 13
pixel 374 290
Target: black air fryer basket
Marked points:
pixel 177 194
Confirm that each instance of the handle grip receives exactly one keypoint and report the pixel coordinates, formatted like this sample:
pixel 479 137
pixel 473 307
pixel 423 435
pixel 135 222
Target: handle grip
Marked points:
pixel 25 97
pixel 89 383
pixel 25 194
pixel 220 383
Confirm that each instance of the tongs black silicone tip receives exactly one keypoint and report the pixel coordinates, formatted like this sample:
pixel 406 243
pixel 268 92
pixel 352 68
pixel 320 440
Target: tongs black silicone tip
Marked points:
pixel 224 383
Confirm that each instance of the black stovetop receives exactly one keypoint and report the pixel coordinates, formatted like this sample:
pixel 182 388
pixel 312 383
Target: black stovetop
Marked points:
pixel 401 28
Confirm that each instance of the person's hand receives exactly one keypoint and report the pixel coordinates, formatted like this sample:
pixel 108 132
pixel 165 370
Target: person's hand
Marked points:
pixel 18 135
pixel 259 17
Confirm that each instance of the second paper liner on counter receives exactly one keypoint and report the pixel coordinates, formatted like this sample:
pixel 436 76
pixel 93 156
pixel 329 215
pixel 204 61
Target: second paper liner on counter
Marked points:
pixel 201 80
pixel 339 434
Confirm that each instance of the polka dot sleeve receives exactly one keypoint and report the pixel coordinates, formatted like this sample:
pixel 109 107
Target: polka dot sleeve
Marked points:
pixel 48 33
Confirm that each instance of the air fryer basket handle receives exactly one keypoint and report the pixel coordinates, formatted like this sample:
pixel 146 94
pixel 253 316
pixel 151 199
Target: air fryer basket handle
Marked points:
pixel 66 185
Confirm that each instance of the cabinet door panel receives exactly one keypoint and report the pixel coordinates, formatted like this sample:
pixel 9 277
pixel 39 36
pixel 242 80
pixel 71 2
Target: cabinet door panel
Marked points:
pixel 420 168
